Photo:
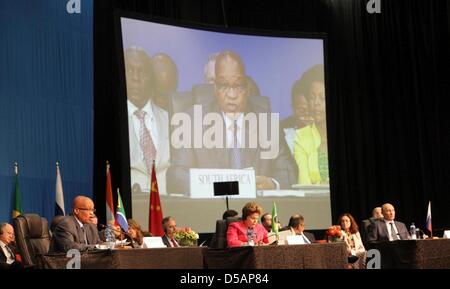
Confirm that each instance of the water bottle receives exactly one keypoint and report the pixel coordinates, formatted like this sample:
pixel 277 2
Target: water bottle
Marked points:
pixel 110 237
pixel 250 240
pixel 412 231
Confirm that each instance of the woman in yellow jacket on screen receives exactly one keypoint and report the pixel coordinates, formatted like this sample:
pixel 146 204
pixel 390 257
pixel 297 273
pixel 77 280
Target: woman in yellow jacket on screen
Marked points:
pixel 306 153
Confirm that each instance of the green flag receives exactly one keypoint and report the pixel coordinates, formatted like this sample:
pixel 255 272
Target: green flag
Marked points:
pixel 17 209
pixel 274 219
pixel 121 218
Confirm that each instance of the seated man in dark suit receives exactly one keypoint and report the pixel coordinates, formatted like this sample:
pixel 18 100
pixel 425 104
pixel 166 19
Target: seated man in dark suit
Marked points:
pixel 76 231
pixel 387 229
pixel 297 225
pixel 7 253
pixel 231 105
pixel 169 227
pixel 229 214
pixel 165 73
pixel 376 215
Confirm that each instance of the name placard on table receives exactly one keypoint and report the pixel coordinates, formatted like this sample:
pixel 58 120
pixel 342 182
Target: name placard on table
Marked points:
pixel 202 182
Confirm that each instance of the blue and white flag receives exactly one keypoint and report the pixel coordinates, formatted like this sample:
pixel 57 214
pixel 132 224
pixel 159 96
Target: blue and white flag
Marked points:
pixel 59 196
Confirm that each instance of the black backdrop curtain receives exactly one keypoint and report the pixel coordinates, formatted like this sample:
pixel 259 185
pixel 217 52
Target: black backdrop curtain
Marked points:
pixel 388 79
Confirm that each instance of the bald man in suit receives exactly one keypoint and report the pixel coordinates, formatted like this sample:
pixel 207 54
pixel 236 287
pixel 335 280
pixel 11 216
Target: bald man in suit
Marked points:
pixel 232 104
pixel 8 258
pixel 387 229
pixel 76 231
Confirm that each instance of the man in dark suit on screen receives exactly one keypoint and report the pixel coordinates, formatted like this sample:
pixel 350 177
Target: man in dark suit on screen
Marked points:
pixel 76 231
pixel 387 229
pixel 232 106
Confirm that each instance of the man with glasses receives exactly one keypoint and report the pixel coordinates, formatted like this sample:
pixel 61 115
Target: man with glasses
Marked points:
pixel 232 104
pixel 76 231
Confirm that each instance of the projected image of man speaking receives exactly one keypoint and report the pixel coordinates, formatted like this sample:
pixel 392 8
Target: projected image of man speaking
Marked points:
pixel 232 103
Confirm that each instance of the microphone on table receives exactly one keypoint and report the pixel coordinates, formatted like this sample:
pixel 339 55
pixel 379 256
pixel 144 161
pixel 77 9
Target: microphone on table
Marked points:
pixel 121 231
pixel 423 233
pixel 129 237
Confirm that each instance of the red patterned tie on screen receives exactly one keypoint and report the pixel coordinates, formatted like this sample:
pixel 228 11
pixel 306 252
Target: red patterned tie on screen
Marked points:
pixel 174 243
pixel 146 141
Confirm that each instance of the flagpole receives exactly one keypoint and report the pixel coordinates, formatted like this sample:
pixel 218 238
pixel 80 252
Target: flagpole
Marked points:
pixel 431 220
pixel 109 199
pixel 17 207
pixel 121 235
pixel 59 195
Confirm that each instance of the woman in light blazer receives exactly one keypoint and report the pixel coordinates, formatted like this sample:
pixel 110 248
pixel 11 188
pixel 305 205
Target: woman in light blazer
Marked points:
pixel 353 240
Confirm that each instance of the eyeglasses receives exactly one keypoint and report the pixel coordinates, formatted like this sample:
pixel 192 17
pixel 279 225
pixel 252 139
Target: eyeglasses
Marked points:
pixel 240 87
pixel 86 209
pixel 139 72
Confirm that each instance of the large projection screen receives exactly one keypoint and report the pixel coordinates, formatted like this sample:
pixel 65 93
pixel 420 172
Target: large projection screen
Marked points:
pixel 210 106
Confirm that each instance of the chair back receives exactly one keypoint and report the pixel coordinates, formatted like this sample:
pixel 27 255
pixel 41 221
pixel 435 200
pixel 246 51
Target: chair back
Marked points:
pixel 32 237
pixel 55 222
pixel 221 232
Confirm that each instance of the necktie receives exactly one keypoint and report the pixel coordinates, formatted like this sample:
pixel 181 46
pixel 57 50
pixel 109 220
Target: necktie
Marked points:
pixel 146 141
pixel 84 238
pixel 306 239
pixel 235 153
pixel 173 242
pixel 393 234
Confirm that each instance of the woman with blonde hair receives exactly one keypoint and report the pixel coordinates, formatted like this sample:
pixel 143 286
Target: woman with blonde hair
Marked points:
pixel 135 232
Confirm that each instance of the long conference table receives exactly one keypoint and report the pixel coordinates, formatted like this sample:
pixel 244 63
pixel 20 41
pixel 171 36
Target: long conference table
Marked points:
pixel 314 256
pixel 414 254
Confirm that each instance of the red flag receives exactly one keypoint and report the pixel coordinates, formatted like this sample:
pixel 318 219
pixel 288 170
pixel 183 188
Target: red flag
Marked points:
pixel 109 198
pixel 155 213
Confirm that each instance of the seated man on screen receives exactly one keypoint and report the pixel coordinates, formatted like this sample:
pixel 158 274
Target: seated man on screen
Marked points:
pixel 166 79
pixel 147 124
pixel 387 229
pixel 170 227
pixel 76 231
pixel 231 105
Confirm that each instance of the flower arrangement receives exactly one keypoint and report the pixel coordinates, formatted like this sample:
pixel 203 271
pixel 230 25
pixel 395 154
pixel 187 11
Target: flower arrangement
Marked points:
pixel 186 236
pixel 334 234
